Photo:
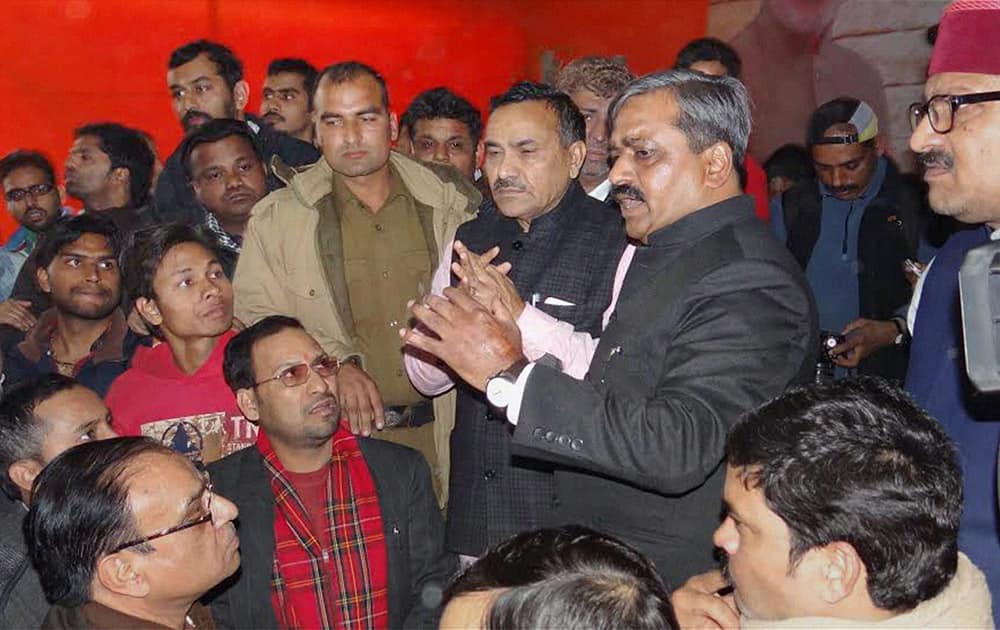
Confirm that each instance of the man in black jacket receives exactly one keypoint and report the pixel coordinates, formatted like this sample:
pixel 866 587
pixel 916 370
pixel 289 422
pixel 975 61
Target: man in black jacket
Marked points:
pixel 851 228
pixel 564 247
pixel 306 478
pixel 206 81
pixel 713 317
pixel 38 420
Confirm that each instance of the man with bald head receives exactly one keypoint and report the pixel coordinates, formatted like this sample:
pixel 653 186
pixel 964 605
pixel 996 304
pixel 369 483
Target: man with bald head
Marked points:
pixel 956 136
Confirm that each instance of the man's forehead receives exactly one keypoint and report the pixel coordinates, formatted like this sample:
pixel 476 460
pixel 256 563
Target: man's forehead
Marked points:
pixel 285 80
pixel 953 83
pixel 87 142
pixel 527 119
pixel 221 150
pixel 441 127
pixel 92 244
pixel 644 115
pixel 200 66
pixel 158 483
pixel 26 175
pixel 358 91
pixel 287 345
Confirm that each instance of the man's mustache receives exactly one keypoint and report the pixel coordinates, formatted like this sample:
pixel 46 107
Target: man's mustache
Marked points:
pixel 508 182
pixel 627 191
pixel 274 115
pixel 936 158
pixel 843 190
pixel 187 121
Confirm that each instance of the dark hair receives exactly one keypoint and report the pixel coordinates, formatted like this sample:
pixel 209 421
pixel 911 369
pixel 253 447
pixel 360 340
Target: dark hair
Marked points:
pixel 22 158
pixel 792 161
pixel 836 112
pixel 604 76
pixel 297 66
pixel 572 126
pixel 228 65
pixel 571 577
pixel 857 461
pixel 213 131
pixel 126 148
pixel 712 109
pixel 80 512
pixel 345 71
pixel 146 250
pixel 69 229
pixel 440 102
pixel 20 435
pixel 237 365
pixel 710 49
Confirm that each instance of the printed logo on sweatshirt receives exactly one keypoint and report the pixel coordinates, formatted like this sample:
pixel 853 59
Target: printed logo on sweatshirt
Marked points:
pixel 204 437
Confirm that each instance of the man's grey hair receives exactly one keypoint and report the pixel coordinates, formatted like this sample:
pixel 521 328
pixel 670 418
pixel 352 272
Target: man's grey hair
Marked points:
pixel 712 109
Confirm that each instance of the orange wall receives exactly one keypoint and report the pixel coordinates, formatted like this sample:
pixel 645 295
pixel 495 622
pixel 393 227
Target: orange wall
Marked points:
pixel 69 62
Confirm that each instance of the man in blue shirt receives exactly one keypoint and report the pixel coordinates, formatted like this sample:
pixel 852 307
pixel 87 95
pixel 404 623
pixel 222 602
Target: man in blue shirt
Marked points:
pixel 851 228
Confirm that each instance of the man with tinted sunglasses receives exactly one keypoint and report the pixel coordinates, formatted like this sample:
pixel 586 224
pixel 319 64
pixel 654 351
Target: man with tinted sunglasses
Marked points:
pixel 339 531
pixel 126 533
pixel 956 136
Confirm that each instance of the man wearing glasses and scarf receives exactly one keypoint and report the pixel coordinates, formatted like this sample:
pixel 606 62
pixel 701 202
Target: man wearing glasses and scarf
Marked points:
pixel 339 531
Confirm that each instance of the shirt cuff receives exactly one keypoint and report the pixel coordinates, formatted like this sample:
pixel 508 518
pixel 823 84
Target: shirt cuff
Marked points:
pixel 514 408
pixel 536 327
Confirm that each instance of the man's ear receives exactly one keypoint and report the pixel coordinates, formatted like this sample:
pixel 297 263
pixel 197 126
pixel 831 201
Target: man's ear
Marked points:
pixel 880 145
pixel 241 95
pixel 719 165
pixel 246 400
pixel 148 310
pixel 122 573
pixel 23 473
pixel 393 126
pixel 577 155
pixel 42 279
pixel 843 571
pixel 480 153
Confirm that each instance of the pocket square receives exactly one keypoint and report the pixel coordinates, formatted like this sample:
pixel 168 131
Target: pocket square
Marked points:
pixel 554 301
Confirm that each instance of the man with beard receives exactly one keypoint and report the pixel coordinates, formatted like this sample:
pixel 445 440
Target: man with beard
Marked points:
pixel 711 317
pixel 563 247
pixel 175 391
pixel 286 104
pixel 83 334
pixel 841 510
pixel 592 82
pixel 223 163
pixel 956 135
pixel 347 244
pixel 339 531
pixel 852 228
pixel 206 81
pixel 39 420
pixel 32 198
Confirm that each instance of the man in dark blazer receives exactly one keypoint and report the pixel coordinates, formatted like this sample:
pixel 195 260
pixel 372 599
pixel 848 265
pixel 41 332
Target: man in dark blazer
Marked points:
pixel 564 247
pixel 713 317
pixel 286 383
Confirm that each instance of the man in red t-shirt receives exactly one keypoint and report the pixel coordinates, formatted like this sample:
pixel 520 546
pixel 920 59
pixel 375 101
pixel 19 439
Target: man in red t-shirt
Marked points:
pixel 175 392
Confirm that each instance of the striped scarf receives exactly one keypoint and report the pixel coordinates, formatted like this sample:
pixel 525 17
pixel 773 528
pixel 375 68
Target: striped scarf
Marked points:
pixel 345 585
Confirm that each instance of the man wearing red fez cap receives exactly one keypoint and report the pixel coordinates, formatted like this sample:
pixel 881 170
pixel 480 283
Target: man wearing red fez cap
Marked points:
pixel 956 136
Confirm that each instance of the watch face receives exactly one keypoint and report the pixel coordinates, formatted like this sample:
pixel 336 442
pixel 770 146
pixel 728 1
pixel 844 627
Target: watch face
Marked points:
pixel 497 390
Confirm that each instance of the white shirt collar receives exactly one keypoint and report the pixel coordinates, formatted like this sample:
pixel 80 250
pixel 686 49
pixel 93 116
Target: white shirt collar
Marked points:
pixel 600 192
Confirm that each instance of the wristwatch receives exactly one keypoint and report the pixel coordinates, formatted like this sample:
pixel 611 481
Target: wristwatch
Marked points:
pixel 500 386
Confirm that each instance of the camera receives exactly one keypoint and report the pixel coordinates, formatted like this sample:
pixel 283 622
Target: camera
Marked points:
pixel 824 362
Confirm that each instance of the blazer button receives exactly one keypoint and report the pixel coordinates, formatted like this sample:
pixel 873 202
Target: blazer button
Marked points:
pixel 312 292
pixel 550 436
pixel 539 433
pixel 576 444
pixel 489 474
pixel 563 440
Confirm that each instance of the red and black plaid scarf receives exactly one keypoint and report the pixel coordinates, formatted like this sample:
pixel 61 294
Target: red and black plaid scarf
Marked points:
pixel 347 585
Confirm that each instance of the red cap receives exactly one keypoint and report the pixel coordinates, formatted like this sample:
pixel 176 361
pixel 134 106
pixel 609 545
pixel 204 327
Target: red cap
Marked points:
pixel 966 40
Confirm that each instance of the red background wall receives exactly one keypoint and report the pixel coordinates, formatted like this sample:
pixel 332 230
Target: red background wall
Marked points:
pixel 67 62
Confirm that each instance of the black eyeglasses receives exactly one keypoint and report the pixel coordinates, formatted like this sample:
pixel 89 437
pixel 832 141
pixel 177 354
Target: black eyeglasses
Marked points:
pixel 296 375
pixel 204 518
pixel 940 109
pixel 38 190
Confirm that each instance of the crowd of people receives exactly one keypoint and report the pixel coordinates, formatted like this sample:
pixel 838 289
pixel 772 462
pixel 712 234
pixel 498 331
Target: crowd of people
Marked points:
pixel 323 367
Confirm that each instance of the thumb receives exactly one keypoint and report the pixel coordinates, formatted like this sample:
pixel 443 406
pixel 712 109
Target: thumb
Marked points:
pixel 858 323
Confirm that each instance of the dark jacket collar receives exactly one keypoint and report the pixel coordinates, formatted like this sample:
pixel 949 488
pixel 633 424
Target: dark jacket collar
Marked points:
pixel 108 347
pixel 701 223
